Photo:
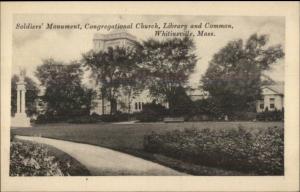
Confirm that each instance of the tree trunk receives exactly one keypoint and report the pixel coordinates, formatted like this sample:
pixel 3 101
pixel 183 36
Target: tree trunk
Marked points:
pixel 129 102
pixel 102 92
pixel 113 106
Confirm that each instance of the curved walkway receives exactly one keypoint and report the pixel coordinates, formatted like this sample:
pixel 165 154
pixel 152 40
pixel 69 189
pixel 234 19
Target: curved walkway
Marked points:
pixel 102 161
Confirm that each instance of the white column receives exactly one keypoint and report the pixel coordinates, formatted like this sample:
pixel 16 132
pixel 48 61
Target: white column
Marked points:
pixel 21 119
pixel 23 101
pixel 18 101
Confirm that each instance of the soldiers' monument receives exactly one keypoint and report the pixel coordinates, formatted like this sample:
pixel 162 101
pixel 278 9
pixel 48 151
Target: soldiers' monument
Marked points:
pixel 20 119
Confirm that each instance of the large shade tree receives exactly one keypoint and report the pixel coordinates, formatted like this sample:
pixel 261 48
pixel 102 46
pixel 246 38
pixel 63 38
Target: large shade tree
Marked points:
pixel 181 103
pixel 168 64
pixel 115 70
pixel 233 78
pixel 31 95
pixel 64 94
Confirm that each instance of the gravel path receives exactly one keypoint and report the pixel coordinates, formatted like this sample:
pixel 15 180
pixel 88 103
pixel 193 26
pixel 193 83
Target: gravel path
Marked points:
pixel 102 161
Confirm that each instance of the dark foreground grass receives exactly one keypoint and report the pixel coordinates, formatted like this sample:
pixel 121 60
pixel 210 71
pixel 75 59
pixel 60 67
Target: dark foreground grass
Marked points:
pixel 260 153
pixel 129 138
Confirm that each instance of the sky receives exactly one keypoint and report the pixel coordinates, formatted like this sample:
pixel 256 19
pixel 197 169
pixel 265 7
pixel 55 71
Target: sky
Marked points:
pixel 30 47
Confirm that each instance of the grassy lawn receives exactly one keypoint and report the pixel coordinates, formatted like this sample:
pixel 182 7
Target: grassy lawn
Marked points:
pixel 124 136
pixel 129 137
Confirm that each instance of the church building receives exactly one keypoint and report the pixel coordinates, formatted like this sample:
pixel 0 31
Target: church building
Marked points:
pixel 102 42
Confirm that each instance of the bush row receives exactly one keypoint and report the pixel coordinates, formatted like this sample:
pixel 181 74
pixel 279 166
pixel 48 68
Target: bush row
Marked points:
pixel 94 118
pixel 44 118
pixel 270 115
pixel 258 152
pixel 153 112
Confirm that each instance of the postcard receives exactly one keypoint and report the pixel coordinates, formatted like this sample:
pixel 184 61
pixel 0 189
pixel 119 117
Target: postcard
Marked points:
pixel 150 96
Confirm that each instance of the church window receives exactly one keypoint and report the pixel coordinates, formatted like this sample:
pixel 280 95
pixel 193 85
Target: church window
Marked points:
pixel 262 106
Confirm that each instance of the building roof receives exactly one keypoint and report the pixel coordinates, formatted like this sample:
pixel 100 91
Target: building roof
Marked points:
pixel 115 34
pixel 278 88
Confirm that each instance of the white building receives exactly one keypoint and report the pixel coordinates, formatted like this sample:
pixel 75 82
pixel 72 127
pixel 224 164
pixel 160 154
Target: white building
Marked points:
pixel 272 98
pixel 115 38
pixel 196 93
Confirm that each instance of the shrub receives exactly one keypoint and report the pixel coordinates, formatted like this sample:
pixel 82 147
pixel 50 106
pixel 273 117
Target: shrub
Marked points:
pixel 267 115
pixel 199 117
pixel 204 109
pixel 243 116
pixel 258 152
pixel 115 117
pixel 41 119
pixel 151 112
pixel 149 116
pixel 50 118
pixel 85 119
pixel 27 159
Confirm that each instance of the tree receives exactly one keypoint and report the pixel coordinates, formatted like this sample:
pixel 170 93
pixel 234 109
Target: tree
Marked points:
pixel 181 103
pixel 134 81
pixel 233 78
pixel 30 97
pixel 152 112
pixel 168 64
pixel 64 94
pixel 113 69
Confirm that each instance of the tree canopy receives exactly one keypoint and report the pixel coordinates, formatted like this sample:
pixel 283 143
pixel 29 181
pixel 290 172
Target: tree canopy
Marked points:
pixel 64 94
pixel 233 78
pixel 168 64
pixel 113 69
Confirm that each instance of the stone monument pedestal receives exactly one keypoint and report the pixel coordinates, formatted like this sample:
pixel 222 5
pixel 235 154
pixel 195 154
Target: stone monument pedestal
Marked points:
pixel 20 120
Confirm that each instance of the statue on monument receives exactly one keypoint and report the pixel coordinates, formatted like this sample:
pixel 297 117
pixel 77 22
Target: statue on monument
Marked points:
pixel 20 119
pixel 22 74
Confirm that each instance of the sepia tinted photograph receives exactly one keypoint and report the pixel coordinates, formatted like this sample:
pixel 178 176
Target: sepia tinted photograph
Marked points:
pixel 147 95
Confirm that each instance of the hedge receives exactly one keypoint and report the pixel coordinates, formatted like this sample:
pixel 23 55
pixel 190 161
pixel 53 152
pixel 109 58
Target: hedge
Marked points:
pixel 151 112
pixel 260 152
pixel 270 115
